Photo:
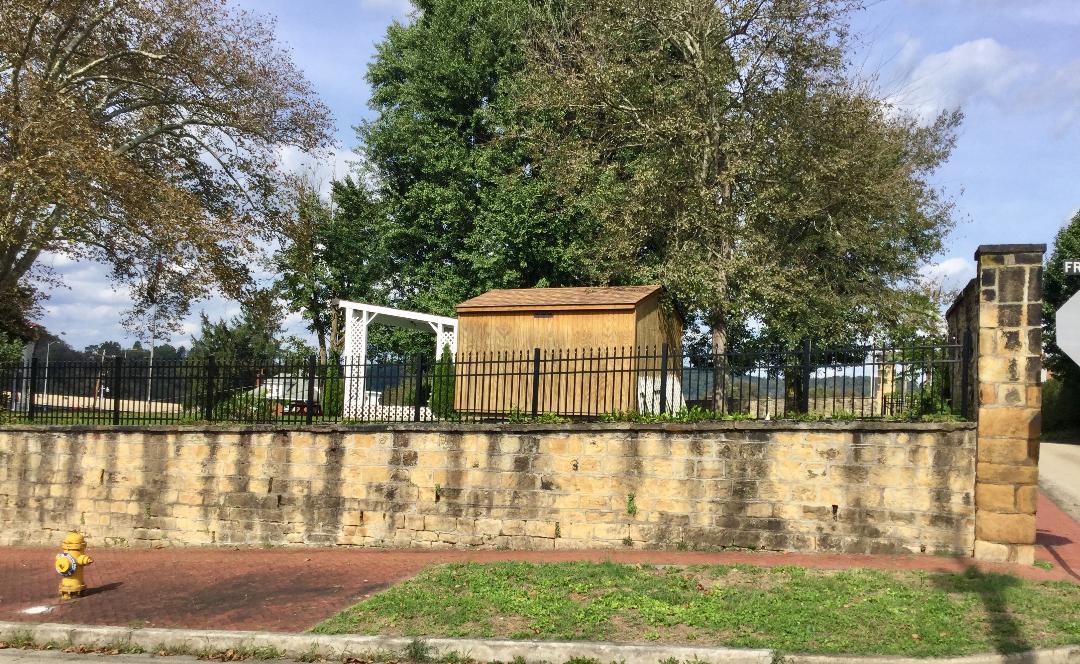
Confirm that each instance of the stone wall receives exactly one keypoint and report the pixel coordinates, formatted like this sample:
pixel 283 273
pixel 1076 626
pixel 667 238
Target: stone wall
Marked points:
pixel 855 487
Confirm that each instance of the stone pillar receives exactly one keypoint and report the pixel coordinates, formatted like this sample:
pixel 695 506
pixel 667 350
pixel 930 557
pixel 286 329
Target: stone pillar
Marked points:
pixel 1008 360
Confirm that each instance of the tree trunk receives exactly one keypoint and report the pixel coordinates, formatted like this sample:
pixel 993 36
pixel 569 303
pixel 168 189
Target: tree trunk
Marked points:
pixel 717 322
pixel 320 332
pixel 336 342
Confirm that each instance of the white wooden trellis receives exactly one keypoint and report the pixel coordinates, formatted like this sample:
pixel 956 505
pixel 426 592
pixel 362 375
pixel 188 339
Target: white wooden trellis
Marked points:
pixel 358 318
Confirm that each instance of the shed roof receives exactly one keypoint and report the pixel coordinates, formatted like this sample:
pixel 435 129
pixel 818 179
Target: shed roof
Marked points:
pixel 591 297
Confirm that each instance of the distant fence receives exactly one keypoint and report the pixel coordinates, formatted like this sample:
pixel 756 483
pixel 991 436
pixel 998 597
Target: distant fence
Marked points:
pixel 581 384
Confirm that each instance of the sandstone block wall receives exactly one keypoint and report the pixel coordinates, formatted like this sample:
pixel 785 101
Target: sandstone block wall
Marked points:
pixel 855 487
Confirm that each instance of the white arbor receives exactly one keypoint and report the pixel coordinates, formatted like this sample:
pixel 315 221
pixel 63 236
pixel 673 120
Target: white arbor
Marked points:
pixel 358 317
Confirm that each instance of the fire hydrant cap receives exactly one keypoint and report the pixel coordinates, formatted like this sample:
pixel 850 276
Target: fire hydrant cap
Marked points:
pixel 74 540
pixel 64 564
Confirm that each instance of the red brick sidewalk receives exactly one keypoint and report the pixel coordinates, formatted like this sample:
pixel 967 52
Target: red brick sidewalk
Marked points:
pixel 292 589
pixel 1058 538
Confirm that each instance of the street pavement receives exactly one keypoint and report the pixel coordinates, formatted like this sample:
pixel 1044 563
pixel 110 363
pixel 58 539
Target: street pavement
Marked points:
pixel 1059 475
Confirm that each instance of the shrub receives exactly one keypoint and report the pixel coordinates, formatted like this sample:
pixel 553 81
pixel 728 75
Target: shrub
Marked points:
pixel 442 386
pixel 248 406
pixel 11 351
pixel 333 393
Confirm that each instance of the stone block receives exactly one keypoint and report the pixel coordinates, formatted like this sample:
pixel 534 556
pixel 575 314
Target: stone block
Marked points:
pixel 1027 498
pixel 1004 368
pixel 512 528
pixel 1012 285
pixel 1005 528
pixel 995 497
pixel 1009 423
pixel 540 529
pixel 1004 473
pixel 758 510
pixel 440 523
pixel 1011 451
pixel 611 531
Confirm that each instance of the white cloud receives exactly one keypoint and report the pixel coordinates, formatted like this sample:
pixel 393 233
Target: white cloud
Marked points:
pixel 978 71
pixel 319 170
pixel 1059 88
pixel 951 274
pixel 984 72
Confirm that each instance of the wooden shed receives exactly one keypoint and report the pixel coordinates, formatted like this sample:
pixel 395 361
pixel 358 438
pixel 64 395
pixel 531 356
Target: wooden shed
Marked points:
pixel 570 351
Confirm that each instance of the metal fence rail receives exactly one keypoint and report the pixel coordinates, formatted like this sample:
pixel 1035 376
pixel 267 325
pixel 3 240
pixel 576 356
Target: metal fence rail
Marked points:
pixel 498 386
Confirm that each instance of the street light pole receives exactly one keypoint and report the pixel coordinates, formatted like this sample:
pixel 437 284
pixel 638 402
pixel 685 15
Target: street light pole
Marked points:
pixel 150 371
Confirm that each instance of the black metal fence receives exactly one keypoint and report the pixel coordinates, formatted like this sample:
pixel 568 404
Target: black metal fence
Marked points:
pixel 590 384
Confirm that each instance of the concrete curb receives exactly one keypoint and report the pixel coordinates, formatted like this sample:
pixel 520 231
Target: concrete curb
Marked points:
pixel 483 650
pixel 294 645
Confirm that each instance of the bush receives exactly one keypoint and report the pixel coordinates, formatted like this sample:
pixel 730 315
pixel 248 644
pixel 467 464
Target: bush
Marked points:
pixel 245 407
pixel 333 392
pixel 442 386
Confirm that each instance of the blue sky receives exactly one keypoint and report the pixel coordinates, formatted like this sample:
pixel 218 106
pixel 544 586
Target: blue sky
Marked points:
pixel 1013 66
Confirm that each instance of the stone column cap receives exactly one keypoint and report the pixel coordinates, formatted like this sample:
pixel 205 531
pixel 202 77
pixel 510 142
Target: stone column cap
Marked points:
pixel 1009 249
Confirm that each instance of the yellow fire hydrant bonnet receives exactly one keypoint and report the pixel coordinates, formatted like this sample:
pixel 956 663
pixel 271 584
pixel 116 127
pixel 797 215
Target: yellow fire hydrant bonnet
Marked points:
pixel 70 563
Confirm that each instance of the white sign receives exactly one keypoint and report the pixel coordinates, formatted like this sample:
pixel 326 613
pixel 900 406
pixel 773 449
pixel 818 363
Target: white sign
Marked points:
pixel 1068 328
pixel 1072 267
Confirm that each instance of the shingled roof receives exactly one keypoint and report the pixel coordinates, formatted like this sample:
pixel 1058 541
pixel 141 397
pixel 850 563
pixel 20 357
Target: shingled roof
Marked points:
pixel 599 297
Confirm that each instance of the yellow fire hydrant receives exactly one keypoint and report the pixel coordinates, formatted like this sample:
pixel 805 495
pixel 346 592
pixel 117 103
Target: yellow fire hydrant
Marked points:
pixel 70 564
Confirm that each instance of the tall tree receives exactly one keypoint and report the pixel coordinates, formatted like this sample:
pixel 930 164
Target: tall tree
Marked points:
pixel 143 134
pixel 305 277
pixel 453 203
pixel 727 154
pixel 254 337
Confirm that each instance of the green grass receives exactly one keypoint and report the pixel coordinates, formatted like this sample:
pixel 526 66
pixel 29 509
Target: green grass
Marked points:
pixel 790 609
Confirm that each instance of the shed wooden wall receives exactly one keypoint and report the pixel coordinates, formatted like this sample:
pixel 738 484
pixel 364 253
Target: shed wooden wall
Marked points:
pixel 502 342
pixel 655 326
pixel 523 331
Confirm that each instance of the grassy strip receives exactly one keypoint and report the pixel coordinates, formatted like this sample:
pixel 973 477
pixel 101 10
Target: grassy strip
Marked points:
pixel 789 609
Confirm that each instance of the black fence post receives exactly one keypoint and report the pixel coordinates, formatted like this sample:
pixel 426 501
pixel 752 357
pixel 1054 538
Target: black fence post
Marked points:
pixel 663 378
pixel 32 392
pixel 536 382
pixel 211 377
pixel 118 367
pixel 804 379
pixel 965 376
pixel 418 387
pixel 310 409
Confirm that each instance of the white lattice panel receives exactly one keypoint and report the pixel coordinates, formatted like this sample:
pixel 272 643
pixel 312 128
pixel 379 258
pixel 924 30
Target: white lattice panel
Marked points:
pixel 447 338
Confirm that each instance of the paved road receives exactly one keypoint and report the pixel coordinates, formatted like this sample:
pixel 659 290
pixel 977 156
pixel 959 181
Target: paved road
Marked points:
pixel 1059 475
pixel 16 656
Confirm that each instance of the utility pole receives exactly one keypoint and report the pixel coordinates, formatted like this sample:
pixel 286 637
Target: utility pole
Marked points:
pixel 48 348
